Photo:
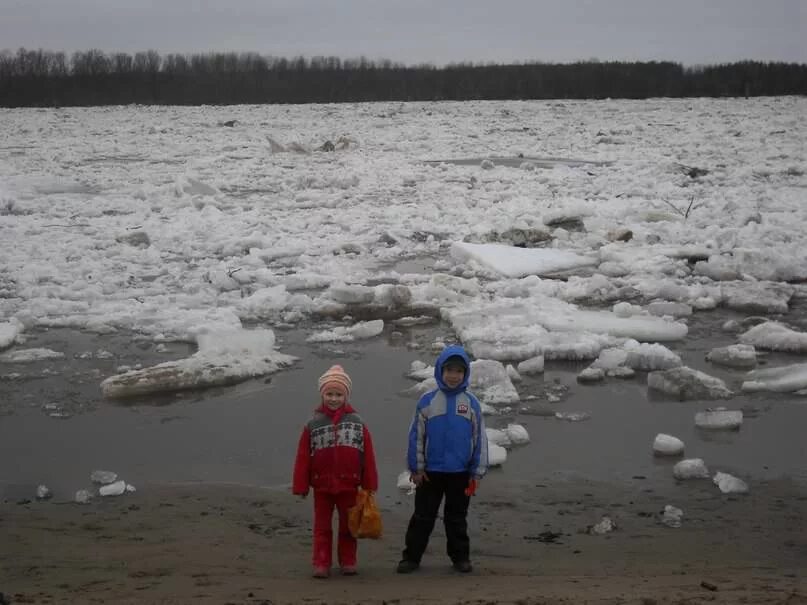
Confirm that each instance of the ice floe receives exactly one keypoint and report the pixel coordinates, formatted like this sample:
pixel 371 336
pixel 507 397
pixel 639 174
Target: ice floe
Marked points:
pixel 691 468
pixel 517 434
pixel 734 356
pixel 672 516
pixel 518 329
pixel 667 445
pixel 490 381
pixel 30 355
pixel 774 336
pixel 364 329
pixel 686 383
pixel 719 419
pixel 9 331
pixel 729 484
pixel 497 455
pixel 533 365
pixel 782 379
pixel 518 262
pixel 222 358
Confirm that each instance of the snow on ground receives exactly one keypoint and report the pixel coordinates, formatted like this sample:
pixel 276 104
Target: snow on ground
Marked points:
pixel 157 220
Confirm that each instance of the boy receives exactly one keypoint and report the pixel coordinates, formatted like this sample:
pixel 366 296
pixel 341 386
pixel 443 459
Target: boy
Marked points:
pixel 448 454
pixel 335 457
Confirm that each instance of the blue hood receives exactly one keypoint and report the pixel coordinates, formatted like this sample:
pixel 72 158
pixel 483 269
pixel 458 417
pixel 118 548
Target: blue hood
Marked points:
pixel 452 351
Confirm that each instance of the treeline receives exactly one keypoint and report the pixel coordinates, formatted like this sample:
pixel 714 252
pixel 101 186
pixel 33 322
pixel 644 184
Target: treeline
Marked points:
pixel 41 78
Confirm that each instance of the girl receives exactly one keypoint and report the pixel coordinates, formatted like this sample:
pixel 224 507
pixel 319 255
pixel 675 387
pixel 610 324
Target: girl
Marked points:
pixel 334 457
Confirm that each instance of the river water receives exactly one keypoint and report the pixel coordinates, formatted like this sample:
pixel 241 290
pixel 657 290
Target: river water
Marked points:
pixel 55 428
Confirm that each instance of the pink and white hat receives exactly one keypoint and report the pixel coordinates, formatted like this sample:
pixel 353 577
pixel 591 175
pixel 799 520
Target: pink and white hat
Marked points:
pixel 336 377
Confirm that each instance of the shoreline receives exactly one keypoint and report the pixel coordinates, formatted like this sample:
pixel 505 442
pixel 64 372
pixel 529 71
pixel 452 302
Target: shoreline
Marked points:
pixel 200 543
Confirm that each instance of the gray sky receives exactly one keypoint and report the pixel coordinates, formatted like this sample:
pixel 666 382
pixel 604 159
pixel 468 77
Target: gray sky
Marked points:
pixel 414 31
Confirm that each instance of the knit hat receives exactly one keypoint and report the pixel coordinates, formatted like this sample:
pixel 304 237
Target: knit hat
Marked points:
pixel 336 377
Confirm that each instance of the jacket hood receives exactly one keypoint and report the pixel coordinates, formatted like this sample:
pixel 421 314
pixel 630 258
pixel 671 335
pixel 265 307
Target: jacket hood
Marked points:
pixel 452 351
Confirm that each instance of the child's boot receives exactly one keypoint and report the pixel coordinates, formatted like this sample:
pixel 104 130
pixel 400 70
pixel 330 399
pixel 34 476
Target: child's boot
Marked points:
pixel 321 572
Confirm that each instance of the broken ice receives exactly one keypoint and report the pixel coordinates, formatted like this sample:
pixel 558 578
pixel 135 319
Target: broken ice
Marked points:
pixel 517 434
pixel 719 418
pixel 783 379
pixel 734 356
pixel 605 525
pixel 533 365
pixel 103 477
pixel 113 489
pixel 686 383
pixel 498 436
pixel 774 336
pixel 730 484
pixel 404 483
pixel 497 455
pixel 83 496
pixel 667 445
pixel 672 515
pixel 691 468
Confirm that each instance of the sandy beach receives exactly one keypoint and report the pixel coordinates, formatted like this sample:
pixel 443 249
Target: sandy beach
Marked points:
pixel 231 544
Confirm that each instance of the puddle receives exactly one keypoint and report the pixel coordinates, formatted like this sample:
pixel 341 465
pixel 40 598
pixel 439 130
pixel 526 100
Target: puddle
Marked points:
pixel 248 433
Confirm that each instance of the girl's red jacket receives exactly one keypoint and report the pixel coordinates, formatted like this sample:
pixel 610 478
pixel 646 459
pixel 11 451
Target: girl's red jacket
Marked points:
pixel 335 453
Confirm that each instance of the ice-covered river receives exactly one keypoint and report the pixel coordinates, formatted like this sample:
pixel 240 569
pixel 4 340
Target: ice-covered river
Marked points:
pixel 567 229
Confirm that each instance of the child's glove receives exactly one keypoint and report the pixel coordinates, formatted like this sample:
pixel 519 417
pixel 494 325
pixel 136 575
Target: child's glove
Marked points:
pixel 471 489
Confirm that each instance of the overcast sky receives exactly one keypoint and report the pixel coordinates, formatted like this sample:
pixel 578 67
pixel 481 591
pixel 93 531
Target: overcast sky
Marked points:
pixel 415 31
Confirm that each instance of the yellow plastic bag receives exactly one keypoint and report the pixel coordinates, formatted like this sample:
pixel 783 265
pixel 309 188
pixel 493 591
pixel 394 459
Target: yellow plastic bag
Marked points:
pixel 364 518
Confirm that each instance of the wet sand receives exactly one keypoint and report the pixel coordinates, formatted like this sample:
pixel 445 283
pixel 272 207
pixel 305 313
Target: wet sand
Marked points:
pixel 203 543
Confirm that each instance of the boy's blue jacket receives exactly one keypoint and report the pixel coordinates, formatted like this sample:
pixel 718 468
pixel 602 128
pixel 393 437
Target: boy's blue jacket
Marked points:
pixel 448 433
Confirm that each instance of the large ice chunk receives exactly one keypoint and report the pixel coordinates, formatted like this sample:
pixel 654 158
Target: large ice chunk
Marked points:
pixel 533 365
pixel 420 371
pixel 686 383
pixel 30 355
pixel 517 433
pixel 756 297
pixel 667 445
pixel 508 329
pixel 784 379
pixel 674 309
pixel 490 381
pixel 9 330
pixel 223 358
pixel 360 330
pixel 650 356
pixel 638 356
pixel 511 261
pixel 729 484
pixel 774 336
pixel 719 419
pixel 113 489
pixel 691 468
pixel 497 455
pixel 734 356
pixel 498 436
